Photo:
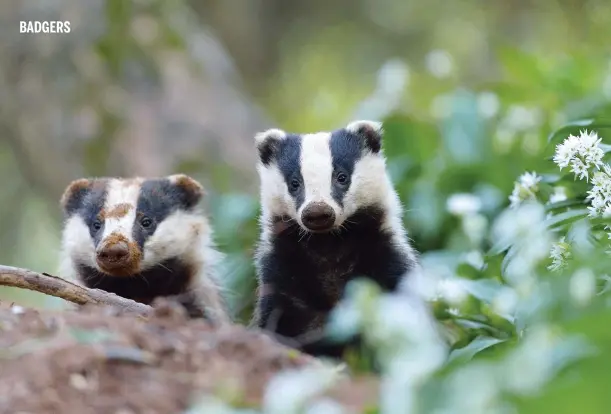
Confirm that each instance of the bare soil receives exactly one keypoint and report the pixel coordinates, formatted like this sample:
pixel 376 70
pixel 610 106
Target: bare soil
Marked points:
pixel 97 360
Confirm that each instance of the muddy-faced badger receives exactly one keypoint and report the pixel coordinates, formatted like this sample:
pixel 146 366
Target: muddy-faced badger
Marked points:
pixel 329 213
pixel 142 238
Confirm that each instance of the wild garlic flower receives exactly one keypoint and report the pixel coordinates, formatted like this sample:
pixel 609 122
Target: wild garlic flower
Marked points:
pixel 600 193
pixel 290 390
pixel 582 286
pixel 463 204
pixel 558 195
pixel 525 188
pixel 560 253
pixel 582 153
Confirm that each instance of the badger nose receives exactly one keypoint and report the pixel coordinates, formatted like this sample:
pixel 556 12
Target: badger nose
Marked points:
pixel 114 253
pixel 318 216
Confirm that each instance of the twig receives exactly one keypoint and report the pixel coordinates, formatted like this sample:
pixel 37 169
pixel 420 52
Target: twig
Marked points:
pixel 60 288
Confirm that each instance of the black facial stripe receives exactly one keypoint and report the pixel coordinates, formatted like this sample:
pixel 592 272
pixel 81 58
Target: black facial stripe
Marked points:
pixel 75 202
pixel 289 164
pixel 346 150
pixel 158 198
pixel 92 205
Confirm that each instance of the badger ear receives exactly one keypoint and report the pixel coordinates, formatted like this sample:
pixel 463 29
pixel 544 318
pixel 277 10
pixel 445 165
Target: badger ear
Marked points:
pixel 371 131
pixel 190 190
pixel 267 144
pixel 74 194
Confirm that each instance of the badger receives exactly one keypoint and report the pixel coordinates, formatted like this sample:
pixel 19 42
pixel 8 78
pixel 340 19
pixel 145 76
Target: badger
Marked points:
pixel 142 238
pixel 329 214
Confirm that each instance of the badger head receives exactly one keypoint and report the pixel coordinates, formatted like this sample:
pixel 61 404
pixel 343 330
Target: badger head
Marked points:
pixel 121 227
pixel 321 179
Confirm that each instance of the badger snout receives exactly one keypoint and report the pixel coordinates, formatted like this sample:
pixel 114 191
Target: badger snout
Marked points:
pixel 115 257
pixel 318 217
pixel 117 252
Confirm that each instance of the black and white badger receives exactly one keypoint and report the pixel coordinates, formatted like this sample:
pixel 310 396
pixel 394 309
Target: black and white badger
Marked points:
pixel 329 213
pixel 142 238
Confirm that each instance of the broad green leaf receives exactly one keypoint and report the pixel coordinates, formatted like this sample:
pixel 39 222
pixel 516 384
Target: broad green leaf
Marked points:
pixel 580 123
pixel 565 218
pixel 483 289
pixel 563 204
pixel 499 247
pixel 476 346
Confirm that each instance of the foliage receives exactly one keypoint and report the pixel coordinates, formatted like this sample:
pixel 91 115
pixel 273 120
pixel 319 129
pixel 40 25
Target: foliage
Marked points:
pixel 510 216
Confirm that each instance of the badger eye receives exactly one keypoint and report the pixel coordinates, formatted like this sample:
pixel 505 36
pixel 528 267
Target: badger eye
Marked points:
pixel 342 178
pixel 146 222
pixel 295 184
pixel 97 225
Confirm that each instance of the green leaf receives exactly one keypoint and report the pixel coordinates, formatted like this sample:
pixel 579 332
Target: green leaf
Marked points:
pixel 500 246
pixel 580 123
pixel 567 217
pixel 476 346
pixel 483 289
pixel 563 204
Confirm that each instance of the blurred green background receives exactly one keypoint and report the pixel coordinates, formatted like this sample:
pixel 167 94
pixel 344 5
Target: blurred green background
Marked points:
pixel 468 91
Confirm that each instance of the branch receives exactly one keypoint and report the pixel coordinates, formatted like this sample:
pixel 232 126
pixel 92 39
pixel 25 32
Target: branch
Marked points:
pixel 60 288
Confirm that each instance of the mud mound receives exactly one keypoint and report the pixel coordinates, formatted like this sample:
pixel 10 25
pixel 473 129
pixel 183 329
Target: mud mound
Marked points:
pixel 97 360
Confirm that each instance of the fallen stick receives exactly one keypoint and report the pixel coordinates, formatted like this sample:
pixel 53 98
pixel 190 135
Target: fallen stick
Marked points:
pixel 61 288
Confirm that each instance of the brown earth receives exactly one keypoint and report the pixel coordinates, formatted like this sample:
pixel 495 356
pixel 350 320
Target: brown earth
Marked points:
pixel 96 360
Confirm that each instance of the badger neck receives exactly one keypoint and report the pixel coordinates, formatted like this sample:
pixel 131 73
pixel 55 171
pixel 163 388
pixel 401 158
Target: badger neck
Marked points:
pixel 315 267
pixel 171 277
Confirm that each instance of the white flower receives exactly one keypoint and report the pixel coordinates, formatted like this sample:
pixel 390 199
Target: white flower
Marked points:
pixel 600 193
pixel 290 390
pixel 474 258
pixel 535 355
pixel 505 302
pixel 525 188
pixel 17 310
pixel 488 104
pixel 521 119
pixel 325 406
pixel 463 204
pixel 582 286
pixel 582 153
pixel 475 227
pixel 524 228
pixel 439 63
pixel 530 180
pixel 560 253
pixel 452 290
pixel 558 195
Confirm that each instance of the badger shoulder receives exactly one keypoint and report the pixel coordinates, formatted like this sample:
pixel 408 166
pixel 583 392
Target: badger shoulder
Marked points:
pixel 142 238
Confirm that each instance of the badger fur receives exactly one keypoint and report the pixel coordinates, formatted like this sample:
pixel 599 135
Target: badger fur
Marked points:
pixel 142 238
pixel 329 213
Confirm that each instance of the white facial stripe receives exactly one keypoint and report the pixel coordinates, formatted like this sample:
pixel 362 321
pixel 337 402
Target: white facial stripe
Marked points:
pixel 77 241
pixel 121 193
pixel 317 168
pixel 274 197
pixel 368 185
pixel 176 235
